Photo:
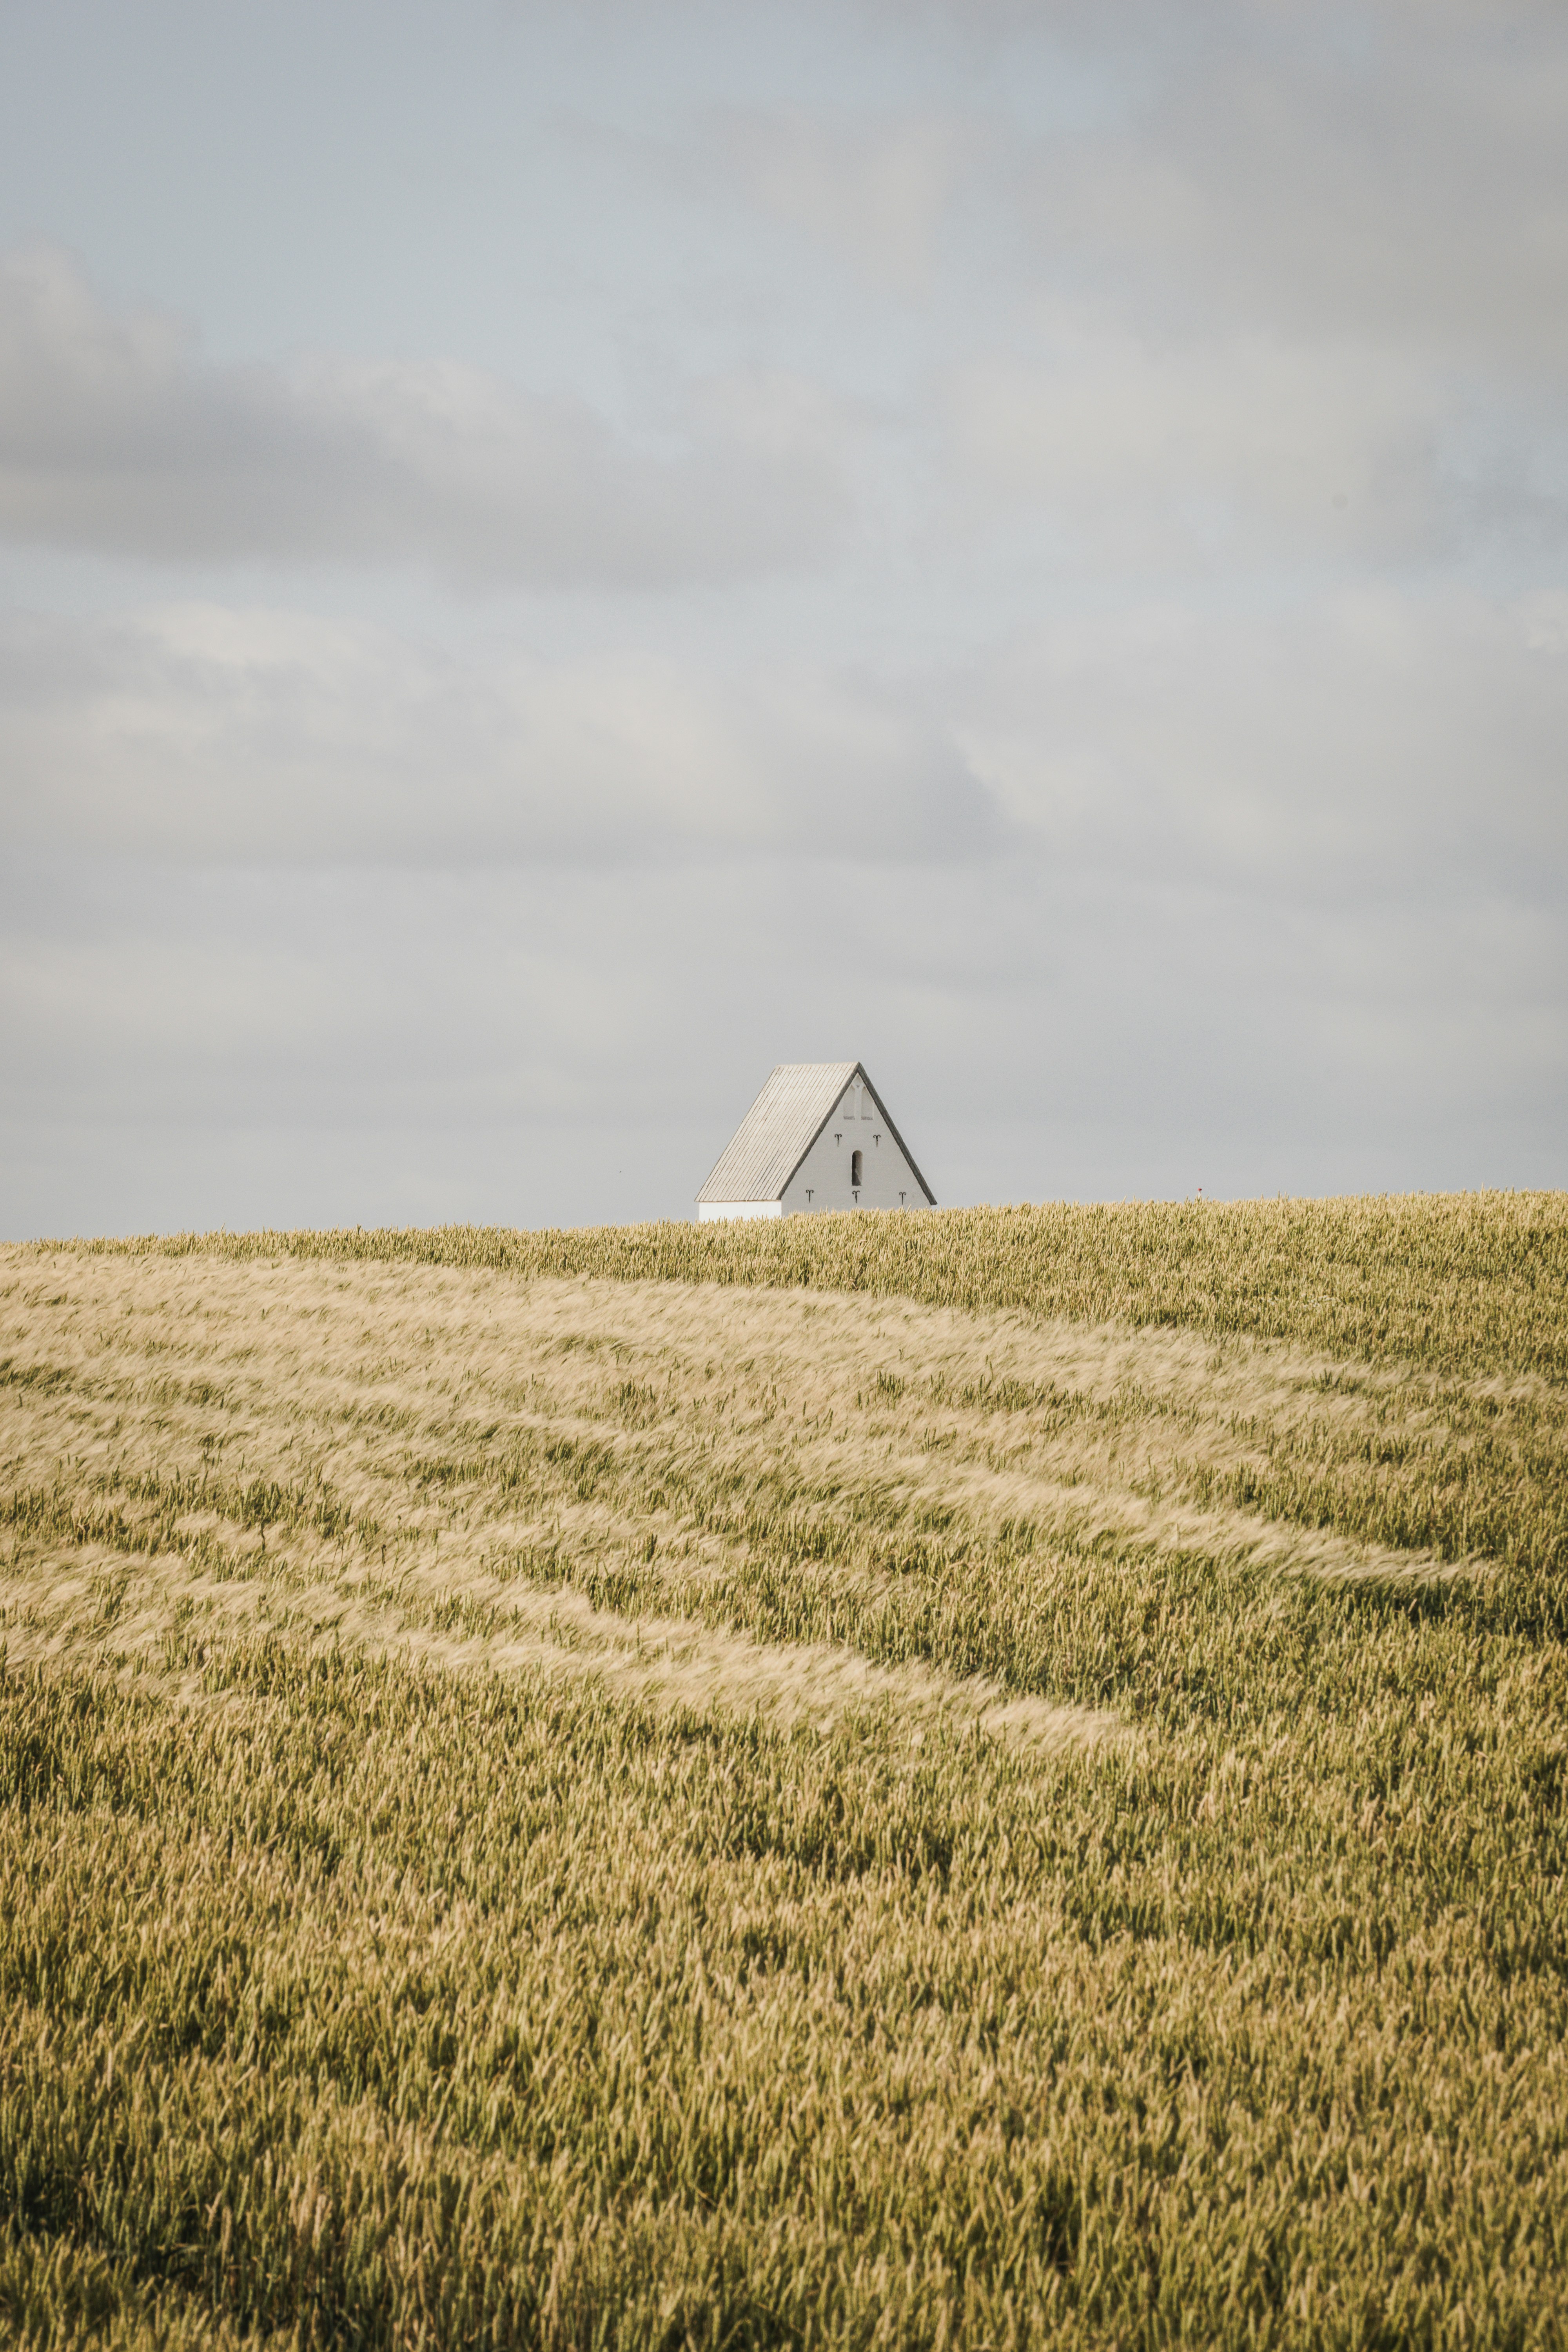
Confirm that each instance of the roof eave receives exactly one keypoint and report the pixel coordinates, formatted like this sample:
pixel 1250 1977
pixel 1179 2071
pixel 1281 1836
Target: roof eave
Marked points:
pixel 898 1139
pixel 859 1071
pixel 707 1194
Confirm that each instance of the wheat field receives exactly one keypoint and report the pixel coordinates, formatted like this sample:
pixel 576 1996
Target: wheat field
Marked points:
pixel 987 1778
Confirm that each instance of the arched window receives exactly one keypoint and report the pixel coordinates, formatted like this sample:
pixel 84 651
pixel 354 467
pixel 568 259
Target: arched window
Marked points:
pixel 854 1176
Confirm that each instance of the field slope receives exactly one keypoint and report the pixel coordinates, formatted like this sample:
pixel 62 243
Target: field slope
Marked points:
pixel 996 1778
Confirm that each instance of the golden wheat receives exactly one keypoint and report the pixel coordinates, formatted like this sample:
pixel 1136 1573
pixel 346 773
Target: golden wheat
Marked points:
pixel 550 1799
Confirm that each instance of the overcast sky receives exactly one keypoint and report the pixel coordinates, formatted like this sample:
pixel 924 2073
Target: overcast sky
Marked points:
pixel 553 558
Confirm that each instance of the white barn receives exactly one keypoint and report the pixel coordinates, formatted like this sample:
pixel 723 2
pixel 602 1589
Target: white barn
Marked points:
pixel 817 1137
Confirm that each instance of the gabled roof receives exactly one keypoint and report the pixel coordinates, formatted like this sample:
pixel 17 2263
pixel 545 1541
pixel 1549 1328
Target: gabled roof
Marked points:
pixel 781 1127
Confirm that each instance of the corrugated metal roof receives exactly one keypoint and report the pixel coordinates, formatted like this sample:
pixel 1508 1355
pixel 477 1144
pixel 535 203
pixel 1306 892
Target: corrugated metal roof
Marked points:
pixel 780 1128
pixel 777 1132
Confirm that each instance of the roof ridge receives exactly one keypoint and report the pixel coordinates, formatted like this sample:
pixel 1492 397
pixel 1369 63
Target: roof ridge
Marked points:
pixel 792 1105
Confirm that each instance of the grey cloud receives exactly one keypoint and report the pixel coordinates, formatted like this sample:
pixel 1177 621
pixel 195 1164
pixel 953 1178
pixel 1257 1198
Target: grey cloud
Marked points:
pixel 203 734
pixel 875 192
pixel 541 1046
pixel 1367 748
pixel 1295 294
pixel 117 436
pixel 1208 450
pixel 1367 743
pixel 1145 814
pixel 1395 173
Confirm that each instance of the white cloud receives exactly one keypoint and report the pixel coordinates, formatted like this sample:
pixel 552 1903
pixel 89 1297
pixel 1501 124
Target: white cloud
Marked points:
pixel 874 193
pixel 1366 750
pixel 202 734
pixel 117 436
pixel 1143 447
pixel 1364 745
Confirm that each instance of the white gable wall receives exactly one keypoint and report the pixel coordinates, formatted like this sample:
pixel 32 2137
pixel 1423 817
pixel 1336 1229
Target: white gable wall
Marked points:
pixel 823 1181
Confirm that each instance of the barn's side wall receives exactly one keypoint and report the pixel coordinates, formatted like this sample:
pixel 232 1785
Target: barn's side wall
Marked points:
pixel 822 1181
pixel 708 1210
